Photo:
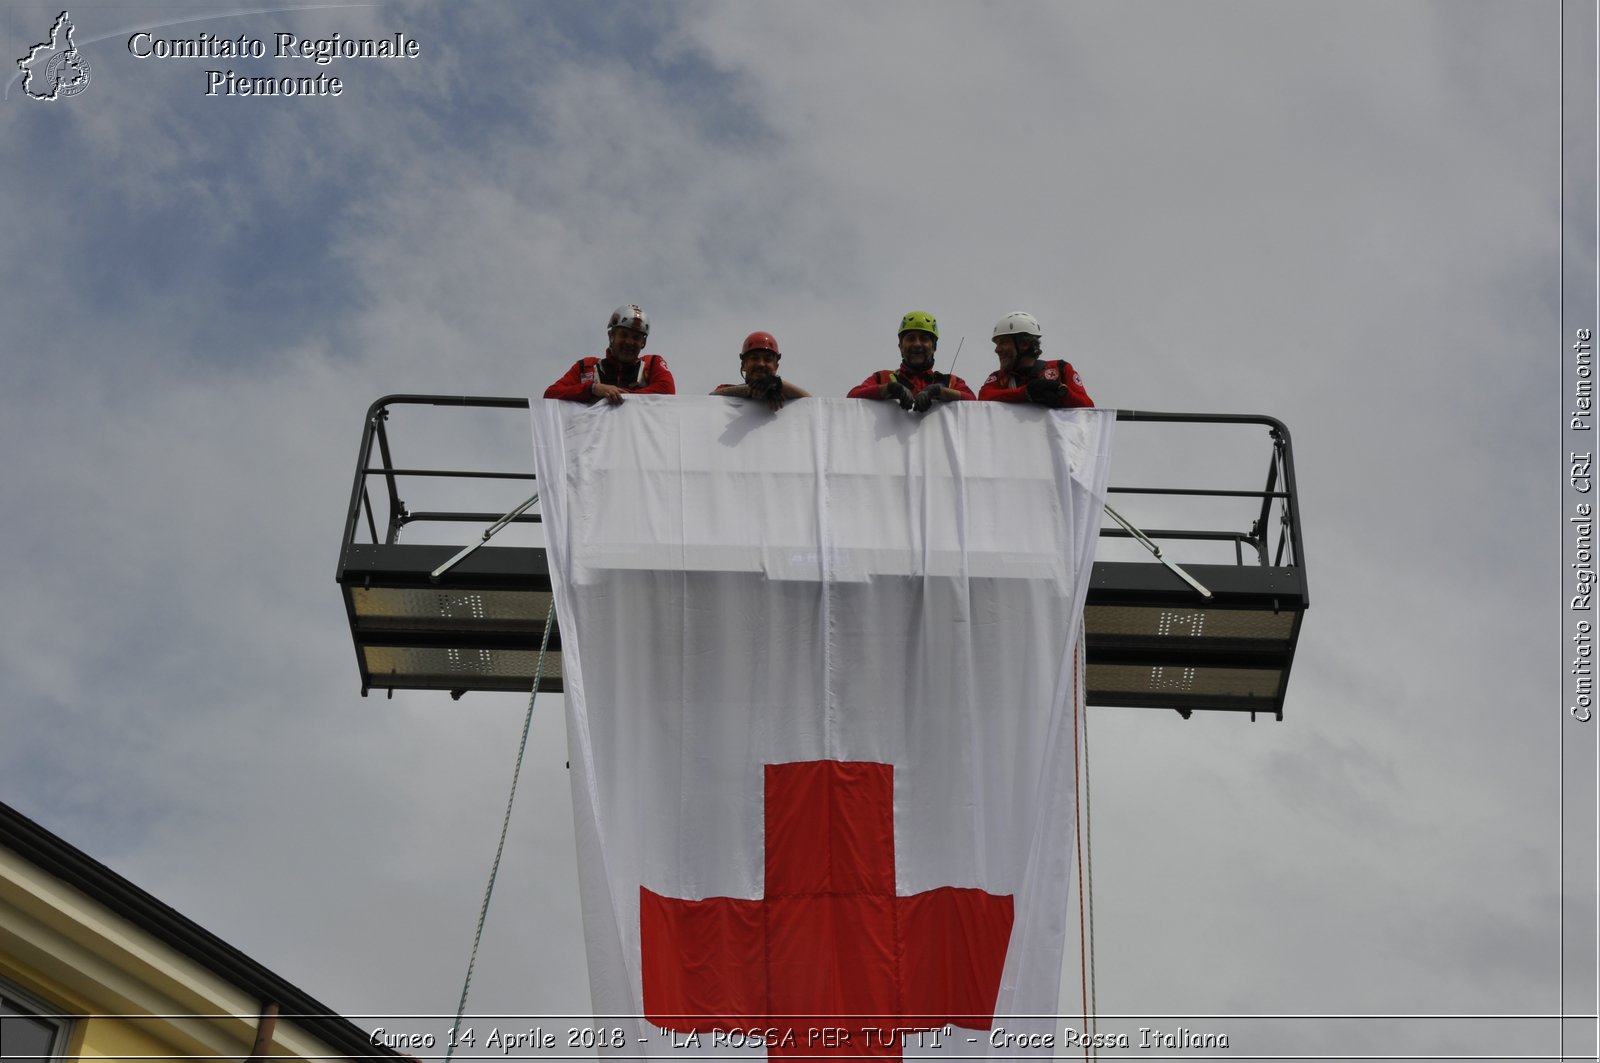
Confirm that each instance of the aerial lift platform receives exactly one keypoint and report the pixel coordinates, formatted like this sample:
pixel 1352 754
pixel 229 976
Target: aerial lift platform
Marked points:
pixel 1216 634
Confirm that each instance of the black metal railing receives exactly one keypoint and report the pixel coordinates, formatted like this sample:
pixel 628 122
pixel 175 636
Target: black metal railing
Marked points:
pixel 1277 496
pixel 1287 551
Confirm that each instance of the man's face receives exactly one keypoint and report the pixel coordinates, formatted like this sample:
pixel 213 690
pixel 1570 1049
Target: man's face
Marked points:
pixel 1011 360
pixel 625 344
pixel 1005 348
pixel 916 348
pixel 758 365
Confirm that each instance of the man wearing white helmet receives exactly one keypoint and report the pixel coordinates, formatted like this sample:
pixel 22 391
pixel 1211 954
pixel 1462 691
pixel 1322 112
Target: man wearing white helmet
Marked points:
pixel 1022 377
pixel 623 370
pixel 758 364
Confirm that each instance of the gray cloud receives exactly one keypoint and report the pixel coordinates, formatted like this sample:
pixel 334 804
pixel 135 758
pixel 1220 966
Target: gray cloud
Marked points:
pixel 1341 214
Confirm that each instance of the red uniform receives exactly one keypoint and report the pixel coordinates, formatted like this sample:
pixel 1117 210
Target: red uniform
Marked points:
pixel 1002 387
pixel 872 387
pixel 648 376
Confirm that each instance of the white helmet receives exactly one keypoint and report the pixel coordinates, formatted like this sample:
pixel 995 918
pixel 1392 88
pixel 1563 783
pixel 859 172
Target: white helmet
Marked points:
pixel 630 316
pixel 1017 322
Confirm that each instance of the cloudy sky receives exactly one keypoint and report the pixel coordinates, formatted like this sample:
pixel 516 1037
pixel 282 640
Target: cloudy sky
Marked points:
pixel 1348 215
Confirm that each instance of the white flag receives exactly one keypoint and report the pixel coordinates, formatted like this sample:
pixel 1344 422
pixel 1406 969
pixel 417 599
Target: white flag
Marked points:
pixel 821 670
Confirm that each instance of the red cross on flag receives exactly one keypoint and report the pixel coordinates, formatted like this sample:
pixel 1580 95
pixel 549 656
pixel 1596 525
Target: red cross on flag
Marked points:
pixel 821 668
pixel 830 945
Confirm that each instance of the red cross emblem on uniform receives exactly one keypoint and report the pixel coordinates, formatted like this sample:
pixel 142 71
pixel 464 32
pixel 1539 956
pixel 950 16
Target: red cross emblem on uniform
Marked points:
pixel 830 947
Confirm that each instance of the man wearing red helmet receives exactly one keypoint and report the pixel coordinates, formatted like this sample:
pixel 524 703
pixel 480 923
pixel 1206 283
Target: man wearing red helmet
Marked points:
pixel 758 364
pixel 915 386
pixel 1021 376
pixel 623 370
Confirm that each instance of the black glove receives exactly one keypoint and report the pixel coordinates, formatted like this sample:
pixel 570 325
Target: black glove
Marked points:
pixel 898 392
pixel 927 397
pixel 1045 391
pixel 763 387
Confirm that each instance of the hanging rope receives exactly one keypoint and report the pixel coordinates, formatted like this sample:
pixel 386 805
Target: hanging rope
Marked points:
pixel 1088 853
pixel 505 827
pixel 1077 808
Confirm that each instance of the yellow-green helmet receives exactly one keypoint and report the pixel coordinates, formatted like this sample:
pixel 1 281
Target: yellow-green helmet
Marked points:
pixel 919 321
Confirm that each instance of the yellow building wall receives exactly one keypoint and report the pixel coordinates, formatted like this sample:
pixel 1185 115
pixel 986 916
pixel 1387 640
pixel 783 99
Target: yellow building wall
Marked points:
pixel 119 1039
pixel 94 1035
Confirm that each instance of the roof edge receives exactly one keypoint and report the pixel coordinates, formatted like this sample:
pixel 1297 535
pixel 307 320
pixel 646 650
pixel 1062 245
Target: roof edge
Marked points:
pixel 54 855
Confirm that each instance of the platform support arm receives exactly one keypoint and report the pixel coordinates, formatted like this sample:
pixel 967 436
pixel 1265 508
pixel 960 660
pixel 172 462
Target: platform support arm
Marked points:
pixel 488 533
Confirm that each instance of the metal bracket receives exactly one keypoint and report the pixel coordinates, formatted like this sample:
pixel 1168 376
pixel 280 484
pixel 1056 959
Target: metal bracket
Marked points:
pixel 1144 540
pixel 488 533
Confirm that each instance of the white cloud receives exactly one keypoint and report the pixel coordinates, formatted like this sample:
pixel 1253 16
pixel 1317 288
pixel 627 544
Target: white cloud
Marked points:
pixel 1340 214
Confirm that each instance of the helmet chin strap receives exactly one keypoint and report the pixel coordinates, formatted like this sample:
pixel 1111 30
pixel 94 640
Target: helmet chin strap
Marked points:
pixel 1028 353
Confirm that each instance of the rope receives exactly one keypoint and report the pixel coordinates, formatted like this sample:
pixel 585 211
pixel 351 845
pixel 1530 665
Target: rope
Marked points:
pixel 1077 808
pixel 505 827
pixel 1088 852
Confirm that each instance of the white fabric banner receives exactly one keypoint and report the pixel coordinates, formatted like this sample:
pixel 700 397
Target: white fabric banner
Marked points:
pixel 808 652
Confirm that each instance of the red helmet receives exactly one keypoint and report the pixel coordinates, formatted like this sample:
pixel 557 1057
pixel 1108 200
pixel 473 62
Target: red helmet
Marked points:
pixel 760 341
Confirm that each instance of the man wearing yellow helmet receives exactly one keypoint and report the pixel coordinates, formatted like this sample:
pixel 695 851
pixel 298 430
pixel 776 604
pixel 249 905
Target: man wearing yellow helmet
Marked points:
pixel 915 386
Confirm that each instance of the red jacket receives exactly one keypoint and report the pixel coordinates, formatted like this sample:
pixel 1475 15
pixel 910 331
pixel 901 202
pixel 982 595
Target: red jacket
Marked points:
pixel 871 387
pixel 649 376
pixel 1001 387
